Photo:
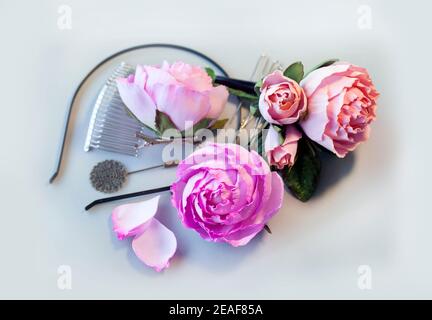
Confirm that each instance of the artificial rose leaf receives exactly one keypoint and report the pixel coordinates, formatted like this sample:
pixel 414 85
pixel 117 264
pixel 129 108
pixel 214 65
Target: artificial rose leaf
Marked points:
pixel 163 122
pixel 322 65
pixel 211 74
pixel 302 178
pixel 260 147
pixel 243 95
pixel 258 86
pixel 202 124
pixel 254 109
pixel 130 114
pixel 295 71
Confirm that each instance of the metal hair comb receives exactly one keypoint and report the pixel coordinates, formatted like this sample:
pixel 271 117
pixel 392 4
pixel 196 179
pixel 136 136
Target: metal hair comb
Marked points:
pixel 111 127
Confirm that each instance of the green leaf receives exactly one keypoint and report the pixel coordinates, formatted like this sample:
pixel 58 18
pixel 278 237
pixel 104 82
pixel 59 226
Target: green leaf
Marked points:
pixel 211 73
pixel 323 64
pixel 134 117
pixel 260 145
pixel 163 122
pixel 202 124
pixel 277 128
pixel 219 124
pixel 258 86
pixel 254 109
pixel 302 178
pixel 295 71
pixel 243 95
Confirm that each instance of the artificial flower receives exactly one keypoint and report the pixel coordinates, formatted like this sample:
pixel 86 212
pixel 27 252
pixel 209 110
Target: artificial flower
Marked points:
pixel 153 243
pixel 281 151
pixel 226 193
pixel 282 100
pixel 180 91
pixel 341 106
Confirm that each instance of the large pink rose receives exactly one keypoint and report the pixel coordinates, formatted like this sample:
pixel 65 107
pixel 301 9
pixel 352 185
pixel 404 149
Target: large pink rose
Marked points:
pixel 183 92
pixel 282 100
pixel 226 193
pixel 341 106
pixel 282 153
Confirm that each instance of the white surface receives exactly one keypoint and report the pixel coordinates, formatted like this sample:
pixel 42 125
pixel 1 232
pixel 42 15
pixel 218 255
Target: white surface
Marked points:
pixel 372 208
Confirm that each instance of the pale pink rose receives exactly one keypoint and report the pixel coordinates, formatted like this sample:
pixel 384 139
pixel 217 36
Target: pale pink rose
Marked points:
pixel 341 106
pixel 282 100
pixel 183 92
pixel 281 154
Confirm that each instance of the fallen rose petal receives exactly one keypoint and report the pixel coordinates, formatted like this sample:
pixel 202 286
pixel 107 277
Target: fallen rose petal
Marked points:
pixel 129 219
pixel 155 245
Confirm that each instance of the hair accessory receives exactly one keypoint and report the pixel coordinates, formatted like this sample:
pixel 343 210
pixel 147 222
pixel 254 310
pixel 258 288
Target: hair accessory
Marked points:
pixel 108 176
pixel 226 192
pixel 111 128
pixel 101 63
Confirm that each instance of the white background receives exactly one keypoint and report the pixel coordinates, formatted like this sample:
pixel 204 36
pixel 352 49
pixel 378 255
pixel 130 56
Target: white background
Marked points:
pixel 371 208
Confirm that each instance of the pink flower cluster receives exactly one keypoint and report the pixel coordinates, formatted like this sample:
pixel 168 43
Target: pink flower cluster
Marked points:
pixel 333 105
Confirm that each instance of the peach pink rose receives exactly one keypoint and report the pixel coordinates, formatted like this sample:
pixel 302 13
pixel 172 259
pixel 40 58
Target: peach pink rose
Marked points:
pixel 282 100
pixel 183 92
pixel 282 154
pixel 341 106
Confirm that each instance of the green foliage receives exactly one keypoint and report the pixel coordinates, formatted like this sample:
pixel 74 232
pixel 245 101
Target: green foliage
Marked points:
pixel 302 178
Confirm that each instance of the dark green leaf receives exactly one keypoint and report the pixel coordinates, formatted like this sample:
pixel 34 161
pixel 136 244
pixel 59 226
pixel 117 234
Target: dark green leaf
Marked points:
pixel 202 124
pixel 323 64
pixel 295 71
pixel 219 124
pixel 260 145
pixel 163 122
pixel 302 178
pixel 243 95
pixel 211 73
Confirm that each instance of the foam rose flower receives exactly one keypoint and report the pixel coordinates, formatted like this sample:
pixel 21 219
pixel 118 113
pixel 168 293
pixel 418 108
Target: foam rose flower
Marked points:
pixel 226 193
pixel 282 100
pixel 182 92
pixel 341 106
pixel 153 243
pixel 281 151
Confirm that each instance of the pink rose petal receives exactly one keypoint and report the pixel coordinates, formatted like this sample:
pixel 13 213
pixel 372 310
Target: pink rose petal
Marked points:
pixel 218 98
pixel 129 219
pixel 155 245
pixel 272 140
pixel 185 107
pixel 137 101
